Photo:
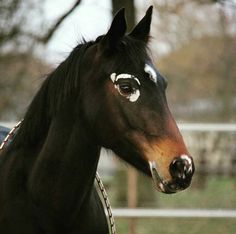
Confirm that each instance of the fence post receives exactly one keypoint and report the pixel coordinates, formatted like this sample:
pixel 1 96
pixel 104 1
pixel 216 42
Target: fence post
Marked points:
pixel 132 196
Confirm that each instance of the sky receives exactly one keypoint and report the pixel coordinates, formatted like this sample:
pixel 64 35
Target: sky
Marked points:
pixel 91 19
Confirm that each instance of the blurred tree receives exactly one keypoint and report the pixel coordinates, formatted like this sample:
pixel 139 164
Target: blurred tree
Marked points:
pixel 129 10
pixel 18 83
pixel 17 64
pixel 15 27
pixel 200 57
pixel 13 17
pixel 19 67
pixel 201 78
pixel 48 34
pixel 179 22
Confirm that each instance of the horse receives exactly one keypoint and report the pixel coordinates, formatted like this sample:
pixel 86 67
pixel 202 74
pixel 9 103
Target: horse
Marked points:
pixel 106 93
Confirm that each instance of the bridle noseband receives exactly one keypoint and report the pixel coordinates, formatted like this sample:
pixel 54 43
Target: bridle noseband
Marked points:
pixel 101 187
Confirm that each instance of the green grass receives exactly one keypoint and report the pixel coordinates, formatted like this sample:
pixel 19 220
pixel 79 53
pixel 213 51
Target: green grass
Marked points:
pixel 178 226
pixel 212 192
pixel 218 193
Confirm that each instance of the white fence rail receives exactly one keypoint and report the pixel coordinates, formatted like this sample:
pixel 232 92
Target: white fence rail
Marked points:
pixel 208 127
pixel 198 127
pixel 172 213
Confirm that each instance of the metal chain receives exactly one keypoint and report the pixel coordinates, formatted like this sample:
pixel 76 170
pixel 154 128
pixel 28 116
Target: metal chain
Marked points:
pixel 10 135
pixel 97 177
pixel 107 204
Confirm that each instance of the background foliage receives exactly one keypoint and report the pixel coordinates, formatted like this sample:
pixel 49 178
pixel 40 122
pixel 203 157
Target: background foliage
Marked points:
pixel 193 45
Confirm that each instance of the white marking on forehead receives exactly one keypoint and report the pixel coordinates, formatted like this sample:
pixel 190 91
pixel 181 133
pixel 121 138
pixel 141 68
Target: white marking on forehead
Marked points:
pixel 114 77
pixel 152 73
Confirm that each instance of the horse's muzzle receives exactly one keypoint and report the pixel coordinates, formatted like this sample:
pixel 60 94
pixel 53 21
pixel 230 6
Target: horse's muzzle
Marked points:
pixel 181 170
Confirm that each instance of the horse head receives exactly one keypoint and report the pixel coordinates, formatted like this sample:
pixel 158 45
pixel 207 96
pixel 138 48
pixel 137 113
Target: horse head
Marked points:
pixel 126 107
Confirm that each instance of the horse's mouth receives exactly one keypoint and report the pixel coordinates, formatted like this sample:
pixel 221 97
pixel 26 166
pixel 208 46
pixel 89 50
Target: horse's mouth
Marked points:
pixel 160 184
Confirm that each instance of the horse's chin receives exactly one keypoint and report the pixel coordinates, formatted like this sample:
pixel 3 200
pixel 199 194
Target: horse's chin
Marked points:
pixel 160 184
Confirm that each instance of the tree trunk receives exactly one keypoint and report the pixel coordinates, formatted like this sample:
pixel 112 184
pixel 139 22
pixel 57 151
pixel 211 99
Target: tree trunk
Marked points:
pixel 129 10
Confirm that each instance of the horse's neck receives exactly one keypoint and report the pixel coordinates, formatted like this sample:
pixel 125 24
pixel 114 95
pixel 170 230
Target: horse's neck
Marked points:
pixel 64 171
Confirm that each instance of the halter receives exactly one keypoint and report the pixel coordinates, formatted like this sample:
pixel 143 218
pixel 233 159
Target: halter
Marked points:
pixel 102 189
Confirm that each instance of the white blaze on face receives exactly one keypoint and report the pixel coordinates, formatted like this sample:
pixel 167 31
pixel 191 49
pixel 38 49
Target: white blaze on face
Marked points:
pixel 152 73
pixel 133 97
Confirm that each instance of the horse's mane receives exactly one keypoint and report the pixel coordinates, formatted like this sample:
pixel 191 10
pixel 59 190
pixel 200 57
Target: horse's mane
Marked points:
pixel 57 85
pixel 62 82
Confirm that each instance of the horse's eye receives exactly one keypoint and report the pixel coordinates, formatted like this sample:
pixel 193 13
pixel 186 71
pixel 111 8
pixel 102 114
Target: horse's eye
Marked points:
pixel 126 89
pixel 127 86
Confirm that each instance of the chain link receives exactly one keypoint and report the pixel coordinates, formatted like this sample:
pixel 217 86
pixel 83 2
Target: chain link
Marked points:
pixel 97 177
pixel 107 204
pixel 10 135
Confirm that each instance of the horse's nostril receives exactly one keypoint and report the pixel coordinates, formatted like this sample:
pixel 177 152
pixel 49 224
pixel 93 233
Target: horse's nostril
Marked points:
pixel 182 168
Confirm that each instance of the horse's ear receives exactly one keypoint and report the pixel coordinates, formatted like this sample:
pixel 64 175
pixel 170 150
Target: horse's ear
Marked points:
pixel 142 29
pixel 116 31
